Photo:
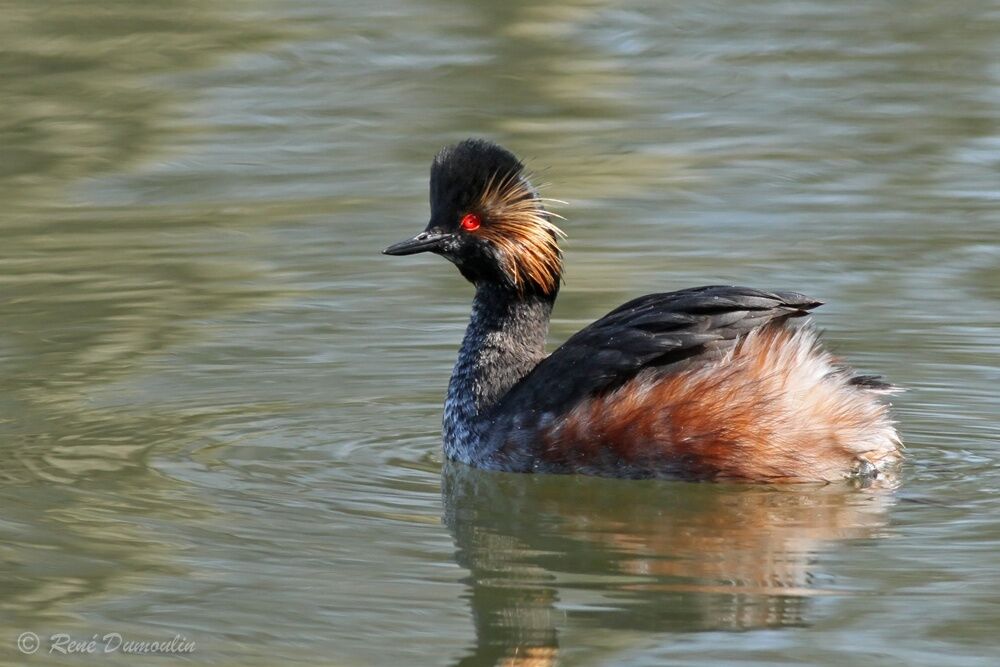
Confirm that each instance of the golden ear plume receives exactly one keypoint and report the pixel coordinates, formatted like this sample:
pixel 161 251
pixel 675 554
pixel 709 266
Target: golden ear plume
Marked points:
pixel 523 231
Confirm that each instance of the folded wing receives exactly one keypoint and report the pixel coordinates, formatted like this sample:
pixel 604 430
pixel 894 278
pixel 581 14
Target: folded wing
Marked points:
pixel 668 331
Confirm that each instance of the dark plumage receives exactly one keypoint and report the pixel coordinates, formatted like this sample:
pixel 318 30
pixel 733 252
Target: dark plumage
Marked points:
pixel 704 383
pixel 656 330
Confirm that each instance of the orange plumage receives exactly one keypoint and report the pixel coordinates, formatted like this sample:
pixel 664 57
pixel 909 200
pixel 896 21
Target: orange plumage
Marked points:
pixel 776 408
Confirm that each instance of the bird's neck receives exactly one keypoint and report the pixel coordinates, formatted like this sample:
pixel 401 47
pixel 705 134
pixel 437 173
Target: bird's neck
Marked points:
pixel 505 340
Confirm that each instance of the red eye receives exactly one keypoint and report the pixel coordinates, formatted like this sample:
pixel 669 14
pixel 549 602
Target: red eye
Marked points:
pixel 470 222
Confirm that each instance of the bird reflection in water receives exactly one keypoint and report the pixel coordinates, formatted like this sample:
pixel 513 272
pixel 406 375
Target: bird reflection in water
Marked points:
pixel 554 555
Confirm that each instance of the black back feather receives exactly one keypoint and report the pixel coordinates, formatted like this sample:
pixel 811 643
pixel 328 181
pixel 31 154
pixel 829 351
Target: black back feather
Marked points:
pixel 656 330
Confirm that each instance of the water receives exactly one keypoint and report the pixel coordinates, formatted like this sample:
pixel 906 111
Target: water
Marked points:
pixel 220 405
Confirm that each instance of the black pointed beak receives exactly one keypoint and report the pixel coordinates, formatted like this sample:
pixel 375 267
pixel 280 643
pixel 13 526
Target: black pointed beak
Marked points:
pixel 422 242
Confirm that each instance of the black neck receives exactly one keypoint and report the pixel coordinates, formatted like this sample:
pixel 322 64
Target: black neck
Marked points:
pixel 504 341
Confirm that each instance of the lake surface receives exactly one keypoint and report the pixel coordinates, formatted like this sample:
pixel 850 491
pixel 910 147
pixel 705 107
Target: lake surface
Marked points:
pixel 220 405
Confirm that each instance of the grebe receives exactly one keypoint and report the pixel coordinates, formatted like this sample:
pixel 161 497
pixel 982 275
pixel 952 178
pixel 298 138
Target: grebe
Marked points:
pixel 707 383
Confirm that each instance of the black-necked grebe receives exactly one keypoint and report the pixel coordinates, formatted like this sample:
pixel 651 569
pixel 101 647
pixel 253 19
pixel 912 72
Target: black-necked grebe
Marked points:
pixel 709 383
